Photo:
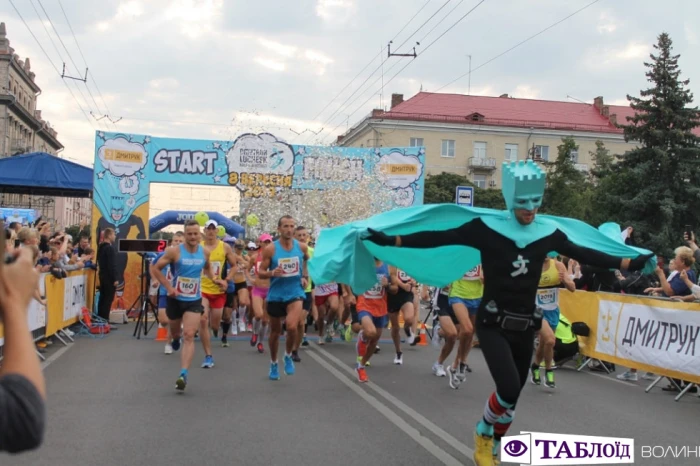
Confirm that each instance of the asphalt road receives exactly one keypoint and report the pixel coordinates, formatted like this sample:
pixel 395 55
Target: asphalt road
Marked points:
pixel 112 402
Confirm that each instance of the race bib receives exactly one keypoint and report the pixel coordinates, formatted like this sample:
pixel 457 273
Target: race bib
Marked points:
pixel 240 267
pixel 187 286
pixel 216 268
pixel 327 289
pixel 404 277
pixel 377 291
pixel 548 297
pixel 290 266
pixel 473 274
pixel 253 270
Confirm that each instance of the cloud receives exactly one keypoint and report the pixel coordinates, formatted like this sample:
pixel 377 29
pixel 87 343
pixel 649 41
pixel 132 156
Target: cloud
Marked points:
pixel 524 91
pixel 121 157
pixel 397 170
pixel 262 153
pixel 606 23
pixel 690 35
pixel 616 56
pixel 403 197
pixel 288 51
pixel 270 64
pixel 164 83
pixel 334 10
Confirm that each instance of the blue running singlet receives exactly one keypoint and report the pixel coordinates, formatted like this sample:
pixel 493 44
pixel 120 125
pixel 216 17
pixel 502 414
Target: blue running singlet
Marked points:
pixel 286 287
pixel 187 274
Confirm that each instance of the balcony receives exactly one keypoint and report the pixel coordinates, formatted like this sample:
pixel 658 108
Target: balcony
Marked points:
pixel 482 163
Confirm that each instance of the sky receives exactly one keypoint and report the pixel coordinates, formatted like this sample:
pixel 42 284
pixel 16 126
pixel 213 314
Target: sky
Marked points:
pixel 214 69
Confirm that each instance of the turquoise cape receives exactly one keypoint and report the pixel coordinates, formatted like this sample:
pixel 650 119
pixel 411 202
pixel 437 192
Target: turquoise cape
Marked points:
pixel 343 255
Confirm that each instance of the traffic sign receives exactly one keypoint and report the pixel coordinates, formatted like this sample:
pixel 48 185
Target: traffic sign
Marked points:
pixel 465 196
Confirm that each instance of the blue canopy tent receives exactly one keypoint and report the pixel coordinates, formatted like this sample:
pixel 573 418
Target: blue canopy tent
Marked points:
pixel 44 174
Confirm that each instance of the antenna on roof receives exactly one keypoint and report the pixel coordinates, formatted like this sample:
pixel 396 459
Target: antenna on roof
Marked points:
pixel 578 100
pixel 412 54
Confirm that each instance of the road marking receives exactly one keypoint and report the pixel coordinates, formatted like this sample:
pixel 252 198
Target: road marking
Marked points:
pixel 436 430
pixel 411 431
pixel 55 356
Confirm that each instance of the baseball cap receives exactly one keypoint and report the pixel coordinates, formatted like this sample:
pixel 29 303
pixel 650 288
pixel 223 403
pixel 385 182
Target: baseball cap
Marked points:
pixel 252 245
pixel 265 237
pixel 211 223
pixel 229 239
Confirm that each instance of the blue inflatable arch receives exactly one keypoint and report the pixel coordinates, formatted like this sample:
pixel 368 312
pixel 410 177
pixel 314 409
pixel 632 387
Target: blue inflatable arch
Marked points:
pixel 179 217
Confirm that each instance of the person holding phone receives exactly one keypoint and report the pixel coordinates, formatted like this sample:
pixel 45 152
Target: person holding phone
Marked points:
pixel 22 384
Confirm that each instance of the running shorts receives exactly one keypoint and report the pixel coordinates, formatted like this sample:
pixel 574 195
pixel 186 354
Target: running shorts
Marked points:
pixel 307 301
pixel 176 309
pixel 216 301
pixel 240 286
pixel 260 292
pixel 552 318
pixel 230 299
pixel 396 301
pixel 278 309
pixel 472 305
pixel 321 300
pixel 445 309
pixel 379 322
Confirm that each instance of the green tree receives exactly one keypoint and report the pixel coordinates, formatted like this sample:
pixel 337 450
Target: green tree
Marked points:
pixel 603 162
pixel 566 185
pixel 442 188
pixel 656 187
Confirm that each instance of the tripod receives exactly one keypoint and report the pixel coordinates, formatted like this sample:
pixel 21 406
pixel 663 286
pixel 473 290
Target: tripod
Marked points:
pixel 143 302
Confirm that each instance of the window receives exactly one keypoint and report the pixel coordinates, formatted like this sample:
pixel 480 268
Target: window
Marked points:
pixel 480 150
pixel 416 142
pixel 543 152
pixel 448 148
pixel 511 153
pixel 479 181
pixel 574 156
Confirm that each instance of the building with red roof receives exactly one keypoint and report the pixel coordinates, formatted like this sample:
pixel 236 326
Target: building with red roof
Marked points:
pixel 473 135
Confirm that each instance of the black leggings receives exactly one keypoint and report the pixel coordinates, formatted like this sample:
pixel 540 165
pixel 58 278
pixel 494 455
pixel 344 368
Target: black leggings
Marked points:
pixel 508 355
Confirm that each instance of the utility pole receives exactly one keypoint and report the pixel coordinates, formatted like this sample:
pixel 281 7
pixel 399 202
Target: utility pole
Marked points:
pixel 469 88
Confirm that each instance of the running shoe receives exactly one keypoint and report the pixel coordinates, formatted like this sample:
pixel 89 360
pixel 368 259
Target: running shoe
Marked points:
pixel 295 356
pixel 329 337
pixel 483 450
pixel 274 371
pixel 168 348
pixel 261 348
pixel 361 374
pixel 549 379
pixel 628 376
pixel 535 375
pixel 348 333
pixel 437 339
pixel 234 329
pixel 416 339
pixel 359 361
pixel 254 339
pixel 439 370
pixel 305 342
pixel 224 342
pixel 464 367
pixel 398 359
pixel 208 362
pixel 181 382
pixel 288 365
pixel 452 378
pixel 175 344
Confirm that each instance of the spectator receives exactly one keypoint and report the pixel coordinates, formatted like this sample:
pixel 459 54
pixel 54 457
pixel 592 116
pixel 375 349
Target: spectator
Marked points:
pixel 22 385
pixel 107 263
pixel 83 244
pixel 683 262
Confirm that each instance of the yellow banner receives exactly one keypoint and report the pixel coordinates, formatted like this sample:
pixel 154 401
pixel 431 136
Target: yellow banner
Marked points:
pixel 662 337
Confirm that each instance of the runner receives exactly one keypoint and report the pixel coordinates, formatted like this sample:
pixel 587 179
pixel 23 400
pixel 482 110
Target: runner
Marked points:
pixel 239 278
pixel 554 273
pixel 401 301
pixel 228 321
pixel 302 235
pixel 162 292
pixel 261 287
pixel 372 313
pixel 284 262
pixel 184 307
pixel 512 246
pixel 465 299
pixel 447 330
pixel 213 291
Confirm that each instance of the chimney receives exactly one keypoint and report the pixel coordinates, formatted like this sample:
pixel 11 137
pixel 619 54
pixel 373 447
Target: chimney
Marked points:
pixel 503 96
pixel 598 103
pixel 377 112
pixel 37 114
pixel 396 99
pixel 340 139
pixel 613 119
pixel 4 42
pixel 27 65
pixel 605 111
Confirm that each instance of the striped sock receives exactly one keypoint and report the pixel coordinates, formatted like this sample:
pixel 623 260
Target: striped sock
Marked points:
pixel 504 422
pixel 494 409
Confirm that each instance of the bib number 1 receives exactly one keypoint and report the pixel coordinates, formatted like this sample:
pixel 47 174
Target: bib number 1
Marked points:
pixel 187 286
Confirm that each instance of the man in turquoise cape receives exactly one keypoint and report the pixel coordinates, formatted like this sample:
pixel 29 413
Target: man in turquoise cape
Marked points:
pixel 437 244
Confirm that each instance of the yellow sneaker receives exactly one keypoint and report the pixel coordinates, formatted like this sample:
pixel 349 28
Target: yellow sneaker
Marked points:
pixel 496 461
pixel 483 450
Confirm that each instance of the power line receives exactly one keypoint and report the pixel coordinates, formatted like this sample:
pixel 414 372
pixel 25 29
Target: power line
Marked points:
pixel 75 39
pixel 330 118
pixel 52 64
pixel 421 97
pixel 367 65
pixel 70 57
pixel 407 64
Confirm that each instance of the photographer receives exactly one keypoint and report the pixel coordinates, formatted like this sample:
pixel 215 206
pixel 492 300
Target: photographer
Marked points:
pixel 107 263
pixel 22 385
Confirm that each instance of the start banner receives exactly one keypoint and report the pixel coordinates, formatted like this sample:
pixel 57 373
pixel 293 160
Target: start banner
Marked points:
pixel 638 332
